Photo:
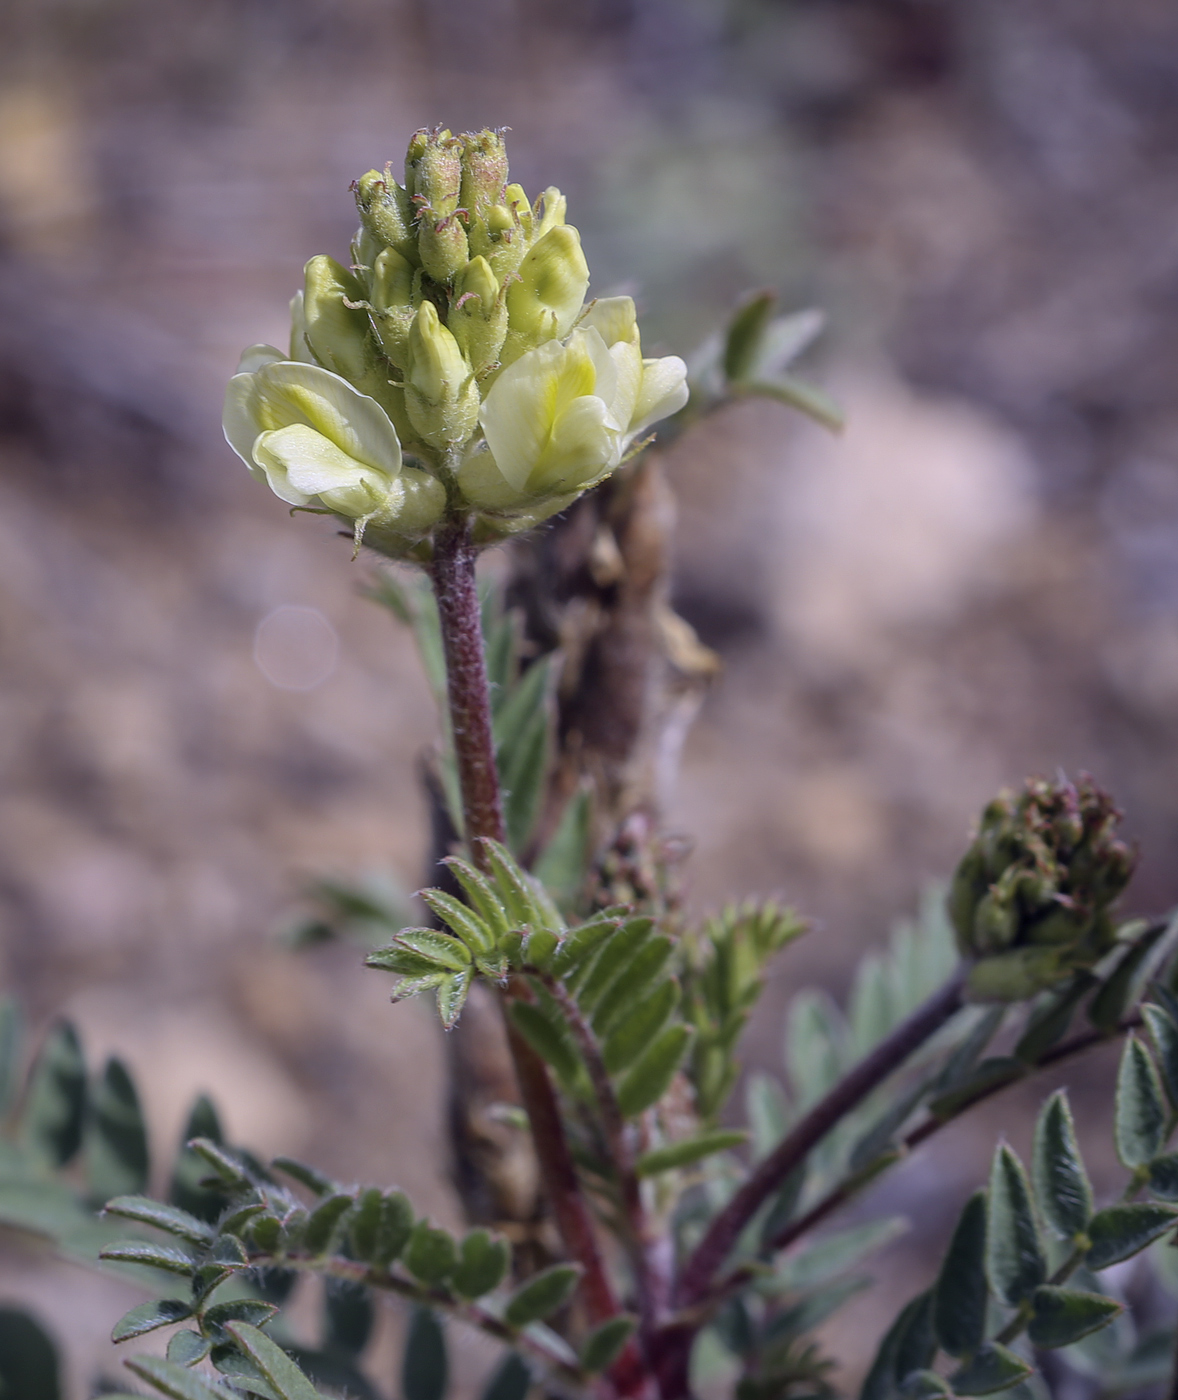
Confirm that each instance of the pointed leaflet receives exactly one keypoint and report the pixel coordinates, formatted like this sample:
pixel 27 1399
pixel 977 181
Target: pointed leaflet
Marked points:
pixel 251 1310
pixel 1163 1177
pixel 1122 1231
pixel 483 899
pixel 581 944
pixel 288 1382
pixel 1062 1188
pixel 640 975
pixel 1064 1315
pixel 311 1177
pixel 155 1256
pixel 563 863
pixel 510 1381
pixel 602 1347
pixel 814 1037
pixel 1140 1115
pixel 614 957
pixel 349 1313
pixel 424 1366
pixel 1163 1033
pixel 994 1368
pixel 186 1190
pixel 524 768
pixel 1014 1253
pixel 549 1038
pixel 542 1295
pixel 55 1100
pixel 689 1150
pixel 115 1140
pixel 437 948
pixel 650 1078
pixel 452 993
pixel 627 1041
pixel 1108 1005
pixel 174 1380
pixel 908 1345
pixel 959 1301
pixel 1049 1023
pixel 159 1312
pixel 170 1219
pixel 466 925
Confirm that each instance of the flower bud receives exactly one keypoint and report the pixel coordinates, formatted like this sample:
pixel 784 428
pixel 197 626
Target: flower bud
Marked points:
pixel 478 318
pixel 1030 899
pixel 392 303
pixel 387 212
pixel 336 332
pixel 434 165
pixel 543 304
pixel 484 172
pixel 440 392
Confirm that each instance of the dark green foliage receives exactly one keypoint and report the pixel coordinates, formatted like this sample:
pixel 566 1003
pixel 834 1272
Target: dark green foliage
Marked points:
pixel 1061 1183
pixel 187 1348
pixel 1109 1005
pixel 280 1372
pixel 688 1151
pixel 431 1254
pixel 640 1027
pixel 1163 1177
pixel 54 1106
pixel 312 1179
pixel 171 1219
pixel 1140 1116
pixel 647 1081
pixel 349 1314
pixel 482 1266
pixel 173 1379
pixel 115 1139
pixel 908 1345
pixel 394 1229
pixel 324 1222
pixel 604 1344
pixel 1064 1315
pixel 28 1358
pixel 187 1190
pixel 1163 1035
pixel 424 1366
pixel 158 1312
pixel 542 1295
pixel 994 1368
pixel 960 1297
pixel 1015 1264
pixel 549 1037
pixel 510 1381
pixel 1122 1231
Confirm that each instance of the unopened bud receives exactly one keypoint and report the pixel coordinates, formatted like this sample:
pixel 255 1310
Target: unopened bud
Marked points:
pixel 387 212
pixel 478 317
pixel 543 304
pixel 336 332
pixel 520 207
pixel 440 392
pixel 484 172
pixel 552 206
pixel 392 303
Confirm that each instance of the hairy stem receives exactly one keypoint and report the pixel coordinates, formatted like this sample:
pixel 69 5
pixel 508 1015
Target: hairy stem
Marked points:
pixel 453 574
pixel 696 1280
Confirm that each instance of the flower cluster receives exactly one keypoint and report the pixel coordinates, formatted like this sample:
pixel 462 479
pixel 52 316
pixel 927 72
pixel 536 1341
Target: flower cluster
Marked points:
pixel 454 368
pixel 1031 899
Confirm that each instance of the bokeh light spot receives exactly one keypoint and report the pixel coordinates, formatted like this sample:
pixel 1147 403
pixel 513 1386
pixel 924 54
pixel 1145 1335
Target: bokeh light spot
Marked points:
pixel 295 648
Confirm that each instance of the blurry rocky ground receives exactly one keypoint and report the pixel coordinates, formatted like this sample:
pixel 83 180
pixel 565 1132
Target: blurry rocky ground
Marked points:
pixel 980 579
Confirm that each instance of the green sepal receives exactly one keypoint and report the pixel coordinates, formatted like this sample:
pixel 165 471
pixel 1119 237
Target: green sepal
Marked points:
pixel 1014 1253
pixel 158 1312
pixel 431 1254
pixel 1140 1111
pixel 1064 1315
pixel 154 1256
pixel 648 1080
pixel 1062 1188
pixel 287 1380
pixel 689 1150
pixel 1119 1232
pixel 542 1295
pixel 187 1348
pixel 483 1261
pixel 602 1347
pixel 623 1045
pixel 994 1368
pixel 960 1297
pixel 171 1219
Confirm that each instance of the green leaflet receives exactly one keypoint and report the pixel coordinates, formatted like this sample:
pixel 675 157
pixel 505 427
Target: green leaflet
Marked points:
pixel 524 770
pixel 641 973
pixel 604 1344
pixel 483 899
pixel 288 1382
pixel 350 1314
pixel 173 1379
pixel 1163 1177
pixel 365 1222
pixel 837 1253
pixel 1050 1022
pixel 186 1348
pixel 563 862
pixel 452 993
pixel 483 1262
pixel 1062 1188
pixel 994 1368
pixel 11 1038
pixel 1140 1111
pixel 645 1083
pixel 424 1366
pixel 252 1310
pixel 394 1228
pixel 311 1177
pixel 908 1345
pixel 115 1137
pixel 431 1254
pixel 540 1296
pixel 324 1221
pixel 164 1217
pixel 814 1038
pixel 582 943
pixel 1163 1034
pixel 612 959
pixel 627 1041
pixel 960 1297
pixel 1108 1005
pixel 1014 1254
pixel 925 1385
pixel 437 948
pixel 465 924
pixel 158 1312
pixel 51 1120
pixel 549 1038
pixel 1122 1231
pixel 154 1256
pixel 511 1380
pixel 689 1150
pixel 1064 1315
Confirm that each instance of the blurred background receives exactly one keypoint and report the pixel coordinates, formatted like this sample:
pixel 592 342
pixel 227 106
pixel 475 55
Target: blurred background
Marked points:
pixel 978 580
